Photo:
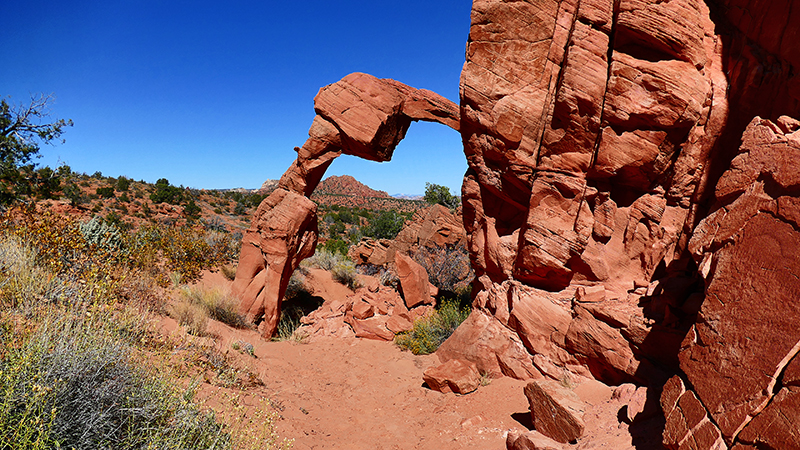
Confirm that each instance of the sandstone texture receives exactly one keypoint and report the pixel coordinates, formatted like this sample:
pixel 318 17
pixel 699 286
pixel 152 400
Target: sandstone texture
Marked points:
pixel 456 375
pixel 557 412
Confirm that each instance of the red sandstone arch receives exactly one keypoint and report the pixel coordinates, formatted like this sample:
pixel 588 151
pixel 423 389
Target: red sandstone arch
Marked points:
pixel 359 115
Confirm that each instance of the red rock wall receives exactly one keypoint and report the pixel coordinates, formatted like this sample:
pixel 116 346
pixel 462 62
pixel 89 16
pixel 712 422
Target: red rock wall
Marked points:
pixel 597 134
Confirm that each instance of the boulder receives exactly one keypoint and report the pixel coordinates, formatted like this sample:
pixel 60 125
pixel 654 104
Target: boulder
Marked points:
pixel 531 440
pixel 456 375
pixel 557 412
pixel 493 348
pixel 414 284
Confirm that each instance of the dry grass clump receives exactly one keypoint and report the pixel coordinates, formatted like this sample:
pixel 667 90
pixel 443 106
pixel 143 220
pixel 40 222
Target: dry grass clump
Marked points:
pixel 340 266
pixel 229 271
pixel 214 303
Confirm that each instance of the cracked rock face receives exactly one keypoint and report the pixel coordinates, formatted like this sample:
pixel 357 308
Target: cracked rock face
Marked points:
pixel 599 133
pixel 741 355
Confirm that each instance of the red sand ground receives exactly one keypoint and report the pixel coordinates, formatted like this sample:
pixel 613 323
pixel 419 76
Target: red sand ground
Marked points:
pixel 349 393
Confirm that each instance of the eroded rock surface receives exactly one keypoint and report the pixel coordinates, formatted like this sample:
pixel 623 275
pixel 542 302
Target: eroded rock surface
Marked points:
pixel 746 336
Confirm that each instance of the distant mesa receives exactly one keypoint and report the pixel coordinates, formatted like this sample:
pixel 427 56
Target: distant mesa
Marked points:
pixel 408 196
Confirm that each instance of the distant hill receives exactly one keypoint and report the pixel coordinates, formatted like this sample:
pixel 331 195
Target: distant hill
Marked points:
pixel 347 185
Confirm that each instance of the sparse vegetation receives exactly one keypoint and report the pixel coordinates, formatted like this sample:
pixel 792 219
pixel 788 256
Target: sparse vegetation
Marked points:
pixel 429 332
pixel 80 364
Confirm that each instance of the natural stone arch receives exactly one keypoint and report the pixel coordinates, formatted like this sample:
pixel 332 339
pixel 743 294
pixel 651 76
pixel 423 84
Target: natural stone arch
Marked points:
pixel 359 115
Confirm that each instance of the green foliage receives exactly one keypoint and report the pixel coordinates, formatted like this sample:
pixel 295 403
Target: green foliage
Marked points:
pixel 123 184
pixel 239 209
pixel 336 246
pixel 247 199
pixel 435 193
pixel 74 194
pixel 166 193
pixel 191 210
pixel 21 133
pixel 105 192
pixel 386 225
pixel 431 331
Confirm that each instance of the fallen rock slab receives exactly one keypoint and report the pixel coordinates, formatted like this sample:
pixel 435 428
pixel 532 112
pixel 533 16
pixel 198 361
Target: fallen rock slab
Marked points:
pixel 556 411
pixel 456 375
pixel 532 440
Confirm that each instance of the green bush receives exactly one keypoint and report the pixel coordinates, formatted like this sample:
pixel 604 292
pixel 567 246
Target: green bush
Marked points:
pixel 431 331
pixel 123 184
pixel 105 192
pixel 435 193
pixel 336 246
pixel 386 225
pixel 166 193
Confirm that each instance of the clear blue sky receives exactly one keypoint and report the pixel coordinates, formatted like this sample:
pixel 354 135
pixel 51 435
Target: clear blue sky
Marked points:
pixel 217 94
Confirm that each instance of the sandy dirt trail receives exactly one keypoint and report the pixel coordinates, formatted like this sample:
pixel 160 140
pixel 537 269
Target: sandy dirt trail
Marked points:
pixel 351 393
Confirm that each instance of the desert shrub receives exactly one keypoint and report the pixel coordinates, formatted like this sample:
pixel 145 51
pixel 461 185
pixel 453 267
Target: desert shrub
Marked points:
pixel 389 278
pixel 429 332
pixel 123 184
pixel 185 250
pixel 386 225
pixel 340 266
pixel 74 194
pixel 336 246
pixel 101 234
pixel 193 316
pixel 435 193
pixel 323 259
pixel 166 193
pixel 191 210
pixel 61 249
pixel 448 268
pixel 217 304
pixel 124 197
pixel 72 383
pixel 215 224
pixel 344 272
